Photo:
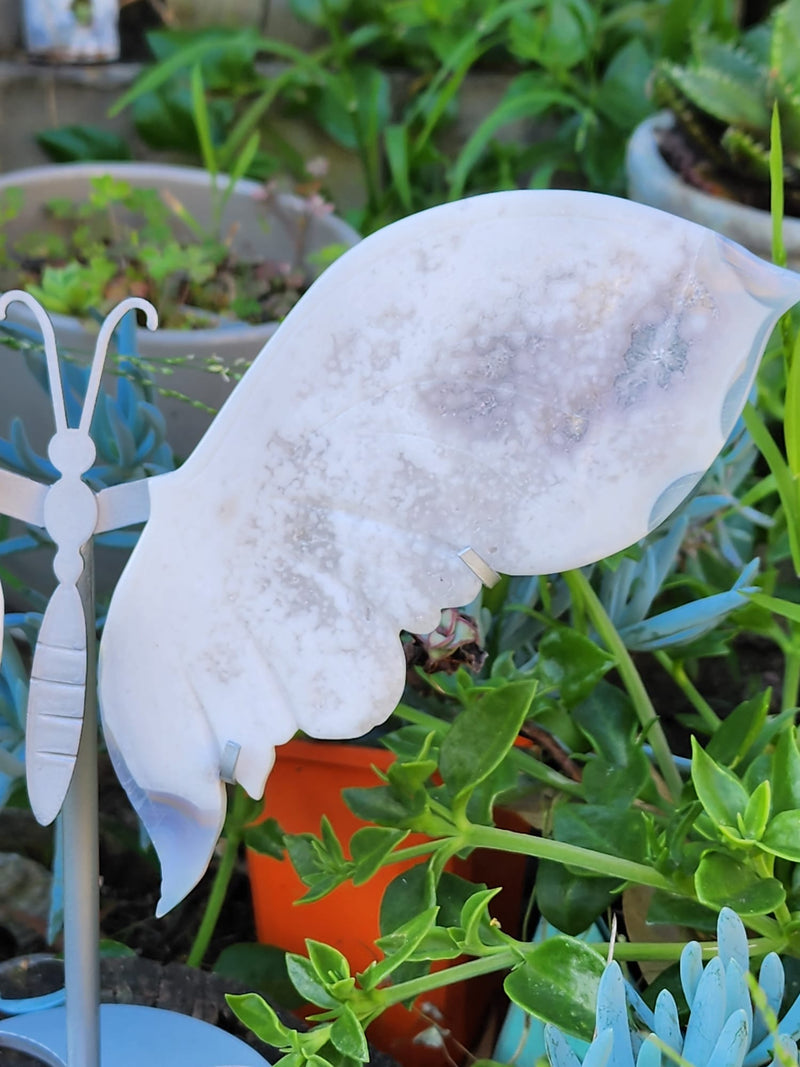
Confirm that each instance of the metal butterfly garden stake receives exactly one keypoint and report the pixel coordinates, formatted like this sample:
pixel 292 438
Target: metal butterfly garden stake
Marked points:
pixel 522 382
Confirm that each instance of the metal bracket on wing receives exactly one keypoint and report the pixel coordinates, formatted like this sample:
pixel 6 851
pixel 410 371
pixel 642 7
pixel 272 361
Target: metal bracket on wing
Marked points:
pixel 22 498
pixel 479 567
pixel 227 764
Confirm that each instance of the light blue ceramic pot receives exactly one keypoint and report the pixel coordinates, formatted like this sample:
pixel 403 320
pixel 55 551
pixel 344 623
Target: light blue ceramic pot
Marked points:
pixel 71 31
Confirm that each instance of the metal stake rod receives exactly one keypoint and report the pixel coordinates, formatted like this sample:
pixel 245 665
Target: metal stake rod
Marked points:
pixel 81 864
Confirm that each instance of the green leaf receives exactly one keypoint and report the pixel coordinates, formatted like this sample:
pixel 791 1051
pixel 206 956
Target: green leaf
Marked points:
pixel 266 838
pixel 258 1016
pixel 607 718
pixel 353 110
pixel 722 795
pixel 329 963
pixel 622 96
pixel 787 491
pixel 572 663
pixel 109 948
pixel 483 734
pixel 722 881
pixel 558 982
pixel 384 805
pixel 789 609
pixel 261 968
pixel 570 901
pixel 347 1036
pixel 82 143
pixel 399 946
pixel 525 98
pixel 738 731
pixel 666 909
pixel 202 121
pixel 475 916
pixel 439 944
pixel 756 814
pixel 311 986
pixel 408 776
pixel 395 139
pixel 408 894
pixel 782 835
pixel 503 781
pixel 621 831
pixel 369 847
pixel 785 776
pixel 615 786
pixel 164 119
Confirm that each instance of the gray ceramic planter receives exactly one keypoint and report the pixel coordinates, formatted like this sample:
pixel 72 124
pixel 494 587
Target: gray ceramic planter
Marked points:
pixel 259 235
pixel 651 181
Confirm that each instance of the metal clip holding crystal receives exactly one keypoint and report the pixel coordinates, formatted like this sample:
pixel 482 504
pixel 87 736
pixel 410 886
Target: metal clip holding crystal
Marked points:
pixel 479 567
pixel 228 761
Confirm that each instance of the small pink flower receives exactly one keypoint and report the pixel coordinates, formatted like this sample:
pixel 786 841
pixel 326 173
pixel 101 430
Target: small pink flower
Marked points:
pixel 267 191
pixel 318 206
pixel 317 167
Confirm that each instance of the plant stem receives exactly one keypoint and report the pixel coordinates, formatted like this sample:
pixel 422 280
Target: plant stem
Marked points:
pixel 791 672
pixel 459 972
pixel 680 677
pixel 219 888
pixel 400 855
pixel 581 589
pixel 572 855
pixel 671 950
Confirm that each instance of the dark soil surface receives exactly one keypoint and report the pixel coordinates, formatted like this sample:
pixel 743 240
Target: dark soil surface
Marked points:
pixel 693 165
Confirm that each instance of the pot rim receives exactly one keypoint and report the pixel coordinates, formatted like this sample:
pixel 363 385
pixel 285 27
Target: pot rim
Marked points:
pixel 643 157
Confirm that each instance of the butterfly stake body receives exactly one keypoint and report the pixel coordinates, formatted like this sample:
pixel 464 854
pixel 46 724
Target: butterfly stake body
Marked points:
pixel 521 383
pixel 61 750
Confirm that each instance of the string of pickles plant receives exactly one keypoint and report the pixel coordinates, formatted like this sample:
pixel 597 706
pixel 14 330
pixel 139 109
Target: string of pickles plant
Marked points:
pixel 700 808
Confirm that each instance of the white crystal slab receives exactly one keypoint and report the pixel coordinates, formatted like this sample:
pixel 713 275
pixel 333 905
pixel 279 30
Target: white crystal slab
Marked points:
pixel 538 376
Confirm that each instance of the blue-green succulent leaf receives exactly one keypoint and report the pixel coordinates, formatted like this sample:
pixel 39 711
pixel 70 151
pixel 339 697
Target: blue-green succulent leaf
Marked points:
pixel 691 969
pixel 772 979
pixel 737 995
pixel 732 1044
pixel 602 1051
pixel 708 1014
pixel 559 1051
pixel 612 1015
pixel 649 1054
pixel 732 940
pixel 667 1027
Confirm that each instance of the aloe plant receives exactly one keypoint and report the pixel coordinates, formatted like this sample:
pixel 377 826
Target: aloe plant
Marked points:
pixel 727 1026
pixel 723 97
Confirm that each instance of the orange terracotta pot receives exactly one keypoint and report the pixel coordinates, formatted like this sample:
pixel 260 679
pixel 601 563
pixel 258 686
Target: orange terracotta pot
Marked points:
pixel 306 783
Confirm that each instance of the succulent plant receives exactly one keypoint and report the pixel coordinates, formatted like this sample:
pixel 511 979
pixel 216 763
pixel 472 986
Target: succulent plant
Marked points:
pixel 723 99
pixel 724 1028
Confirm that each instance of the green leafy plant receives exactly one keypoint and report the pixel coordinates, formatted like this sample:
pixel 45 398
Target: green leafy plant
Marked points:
pixel 388 81
pixel 723 98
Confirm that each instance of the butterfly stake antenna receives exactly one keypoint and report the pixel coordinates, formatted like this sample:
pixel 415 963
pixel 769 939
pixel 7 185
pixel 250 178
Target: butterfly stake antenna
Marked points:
pixel 58 676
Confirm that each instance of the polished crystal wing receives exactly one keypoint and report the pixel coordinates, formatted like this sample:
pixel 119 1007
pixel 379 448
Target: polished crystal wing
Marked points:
pixel 539 377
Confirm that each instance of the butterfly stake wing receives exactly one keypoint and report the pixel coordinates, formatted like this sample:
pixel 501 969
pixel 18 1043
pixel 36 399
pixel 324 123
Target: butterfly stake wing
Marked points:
pixel 537 377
